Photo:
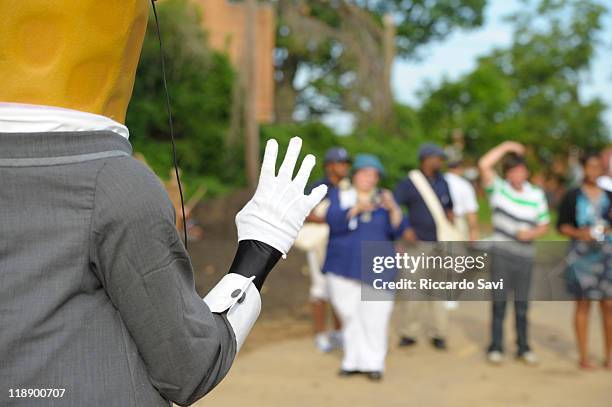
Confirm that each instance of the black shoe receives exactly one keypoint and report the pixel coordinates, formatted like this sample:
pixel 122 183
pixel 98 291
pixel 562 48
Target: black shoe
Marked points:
pixel 375 376
pixel 406 341
pixel 438 343
pixel 347 373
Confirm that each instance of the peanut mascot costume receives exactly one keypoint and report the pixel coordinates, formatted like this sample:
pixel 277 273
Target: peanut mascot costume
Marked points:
pixel 97 299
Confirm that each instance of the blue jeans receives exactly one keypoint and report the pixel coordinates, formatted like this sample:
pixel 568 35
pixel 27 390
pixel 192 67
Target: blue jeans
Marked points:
pixel 516 272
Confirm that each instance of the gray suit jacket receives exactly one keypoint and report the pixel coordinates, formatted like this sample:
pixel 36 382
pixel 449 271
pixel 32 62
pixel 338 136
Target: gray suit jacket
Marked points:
pixel 97 294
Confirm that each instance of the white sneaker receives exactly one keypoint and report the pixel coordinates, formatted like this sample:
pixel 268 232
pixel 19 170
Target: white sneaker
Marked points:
pixel 451 305
pixel 529 358
pixel 323 343
pixel 495 357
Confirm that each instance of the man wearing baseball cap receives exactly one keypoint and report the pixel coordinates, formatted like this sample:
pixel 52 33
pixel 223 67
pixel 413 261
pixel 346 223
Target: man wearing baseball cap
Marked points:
pixel 337 165
pixel 423 228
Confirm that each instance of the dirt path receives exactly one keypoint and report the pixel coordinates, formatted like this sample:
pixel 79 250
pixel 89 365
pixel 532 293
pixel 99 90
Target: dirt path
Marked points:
pixel 279 367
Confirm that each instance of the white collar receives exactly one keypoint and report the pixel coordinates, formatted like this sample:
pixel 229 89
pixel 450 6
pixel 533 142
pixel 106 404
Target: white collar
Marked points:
pixel 26 118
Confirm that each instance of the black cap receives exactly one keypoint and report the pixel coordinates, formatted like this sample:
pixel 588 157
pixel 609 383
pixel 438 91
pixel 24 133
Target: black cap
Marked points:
pixel 337 155
pixel 431 150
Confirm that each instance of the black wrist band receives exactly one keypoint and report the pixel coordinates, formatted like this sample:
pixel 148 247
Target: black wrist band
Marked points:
pixel 254 258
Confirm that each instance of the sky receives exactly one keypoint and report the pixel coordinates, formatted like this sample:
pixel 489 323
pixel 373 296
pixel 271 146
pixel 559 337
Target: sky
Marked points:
pixel 457 55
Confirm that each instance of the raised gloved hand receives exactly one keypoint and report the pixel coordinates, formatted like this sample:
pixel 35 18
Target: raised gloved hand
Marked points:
pixel 277 211
pixel 267 227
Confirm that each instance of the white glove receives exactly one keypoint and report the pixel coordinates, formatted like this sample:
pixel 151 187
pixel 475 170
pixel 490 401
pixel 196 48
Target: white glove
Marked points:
pixel 277 211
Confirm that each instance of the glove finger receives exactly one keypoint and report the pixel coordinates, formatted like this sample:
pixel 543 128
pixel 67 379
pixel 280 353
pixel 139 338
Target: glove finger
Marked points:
pixel 293 151
pixel 316 196
pixel 268 166
pixel 304 173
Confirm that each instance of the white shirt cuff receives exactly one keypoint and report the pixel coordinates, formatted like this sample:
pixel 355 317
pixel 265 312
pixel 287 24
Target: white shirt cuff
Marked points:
pixel 238 296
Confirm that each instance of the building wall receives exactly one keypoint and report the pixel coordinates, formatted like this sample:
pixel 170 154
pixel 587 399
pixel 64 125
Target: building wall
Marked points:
pixel 225 24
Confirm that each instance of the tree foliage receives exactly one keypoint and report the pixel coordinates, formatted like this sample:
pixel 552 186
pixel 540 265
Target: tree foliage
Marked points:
pixel 200 84
pixel 397 155
pixel 338 48
pixel 529 92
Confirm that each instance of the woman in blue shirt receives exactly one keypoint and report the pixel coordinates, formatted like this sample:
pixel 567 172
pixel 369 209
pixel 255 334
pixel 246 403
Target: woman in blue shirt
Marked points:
pixel 361 213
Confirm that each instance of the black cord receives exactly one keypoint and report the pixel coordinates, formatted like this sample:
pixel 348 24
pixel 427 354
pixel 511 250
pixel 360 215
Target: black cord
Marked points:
pixel 169 109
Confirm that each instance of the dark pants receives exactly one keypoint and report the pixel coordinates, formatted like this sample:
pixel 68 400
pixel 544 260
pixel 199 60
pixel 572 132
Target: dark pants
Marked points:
pixel 516 273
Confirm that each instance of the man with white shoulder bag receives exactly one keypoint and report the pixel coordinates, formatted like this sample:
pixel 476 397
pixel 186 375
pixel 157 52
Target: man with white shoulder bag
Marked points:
pixel 426 196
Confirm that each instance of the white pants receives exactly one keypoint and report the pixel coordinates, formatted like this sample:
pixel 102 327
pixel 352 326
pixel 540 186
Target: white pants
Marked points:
pixel 318 282
pixel 365 325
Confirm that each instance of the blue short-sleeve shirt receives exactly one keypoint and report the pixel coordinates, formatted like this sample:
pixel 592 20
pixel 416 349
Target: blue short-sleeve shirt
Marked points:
pixel 419 217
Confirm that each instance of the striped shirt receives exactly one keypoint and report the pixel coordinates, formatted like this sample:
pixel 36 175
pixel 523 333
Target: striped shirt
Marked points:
pixel 516 210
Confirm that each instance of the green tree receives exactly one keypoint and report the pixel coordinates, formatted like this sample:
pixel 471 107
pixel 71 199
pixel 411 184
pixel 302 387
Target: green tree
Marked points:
pixel 528 92
pixel 341 49
pixel 397 155
pixel 200 84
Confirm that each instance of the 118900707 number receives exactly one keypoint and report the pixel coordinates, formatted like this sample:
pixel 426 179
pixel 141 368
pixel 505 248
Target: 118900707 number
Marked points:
pixel 36 393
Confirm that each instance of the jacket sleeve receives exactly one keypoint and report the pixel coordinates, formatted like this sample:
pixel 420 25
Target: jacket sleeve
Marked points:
pixel 567 209
pixel 448 205
pixel 395 233
pixel 401 192
pixel 142 264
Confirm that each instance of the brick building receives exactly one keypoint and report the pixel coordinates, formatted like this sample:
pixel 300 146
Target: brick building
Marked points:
pixel 225 23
